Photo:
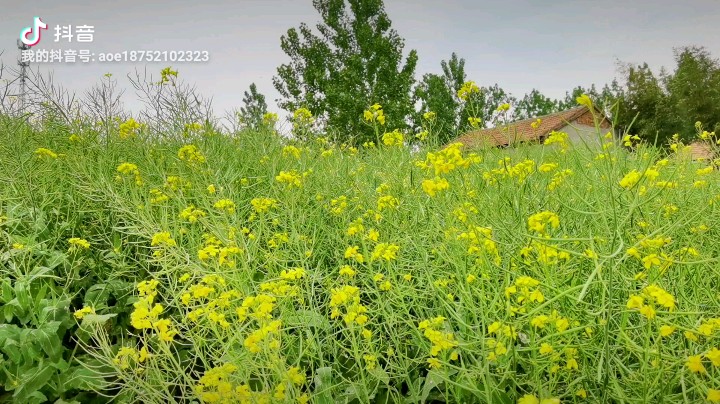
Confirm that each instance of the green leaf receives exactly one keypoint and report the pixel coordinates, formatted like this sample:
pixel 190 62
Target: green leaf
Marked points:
pixel 40 272
pixel 46 336
pixel 32 381
pixel 433 380
pixel 96 319
pixel 381 375
pixel 323 385
pixel 82 378
pixel 7 292
pixel 8 312
pixel 61 401
pixel 22 296
pixel 37 397
pixel 55 258
pixel 13 349
pixel 8 331
pixel 54 310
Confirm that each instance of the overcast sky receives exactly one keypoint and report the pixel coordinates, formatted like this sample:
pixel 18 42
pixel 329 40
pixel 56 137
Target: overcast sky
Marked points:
pixel 520 44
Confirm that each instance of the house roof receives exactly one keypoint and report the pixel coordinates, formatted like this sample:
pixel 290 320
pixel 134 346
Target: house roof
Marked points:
pixel 521 131
pixel 701 150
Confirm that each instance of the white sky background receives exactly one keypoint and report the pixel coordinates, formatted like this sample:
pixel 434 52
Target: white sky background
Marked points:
pixel 520 44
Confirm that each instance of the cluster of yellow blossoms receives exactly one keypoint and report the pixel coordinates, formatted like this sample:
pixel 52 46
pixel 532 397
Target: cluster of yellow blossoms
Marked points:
pixel 652 296
pixel 263 205
pixel 214 248
pixel 146 314
pixel 375 114
pixel 225 205
pixel 467 90
pixel 503 336
pixel 520 171
pixel 441 163
pixel 129 169
pixel 347 298
pixel 41 152
pixel 216 386
pixel 175 183
pixel 191 155
pixel 210 293
pixel 559 138
pixel 649 253
pixel 128 356
pixel 192 214
pixel 77 243
pixel 480 240
pixel 290 178
pixel 129 128
pixel 394 138
pixel 441 341
pixel 435 185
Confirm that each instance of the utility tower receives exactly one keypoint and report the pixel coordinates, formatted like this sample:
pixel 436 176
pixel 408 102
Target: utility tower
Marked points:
pixel 23 73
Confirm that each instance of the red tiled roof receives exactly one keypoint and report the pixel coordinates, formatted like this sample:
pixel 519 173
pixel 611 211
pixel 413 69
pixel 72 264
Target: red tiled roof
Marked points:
pixel 521 131
pixel 701 150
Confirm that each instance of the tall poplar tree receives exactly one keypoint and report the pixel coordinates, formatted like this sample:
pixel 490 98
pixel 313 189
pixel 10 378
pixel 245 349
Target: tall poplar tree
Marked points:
pixel 353 60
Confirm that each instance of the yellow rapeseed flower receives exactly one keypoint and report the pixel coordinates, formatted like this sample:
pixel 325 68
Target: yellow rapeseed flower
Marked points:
pixel 694 363
pixel 43 152
pixel 191 155
pixel 433 186
pixel 714 356
pixel 468 88
pixel 585 101
pixel 528 399
pixel 78 243
pixel 79 314
pixel 394 138
pixel 666 330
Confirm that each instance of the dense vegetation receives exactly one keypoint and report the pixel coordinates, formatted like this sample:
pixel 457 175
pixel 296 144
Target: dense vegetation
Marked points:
pixel 248 267
pixel 359 255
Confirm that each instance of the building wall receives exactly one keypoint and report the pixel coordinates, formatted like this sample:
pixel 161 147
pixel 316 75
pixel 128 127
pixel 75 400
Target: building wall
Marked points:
pixel 579 134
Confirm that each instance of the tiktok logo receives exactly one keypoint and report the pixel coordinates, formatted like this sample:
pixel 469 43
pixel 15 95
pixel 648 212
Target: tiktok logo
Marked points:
pixel 30 36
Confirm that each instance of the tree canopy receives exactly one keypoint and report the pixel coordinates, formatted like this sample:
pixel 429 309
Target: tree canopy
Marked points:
pixel 354 60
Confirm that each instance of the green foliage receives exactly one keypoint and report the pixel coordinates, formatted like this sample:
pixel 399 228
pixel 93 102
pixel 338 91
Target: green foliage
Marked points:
pixel 694 91
pixel 44 280
pixel 484 105
pixel 535 104
pixel 355 61
pixel 39 360
pixel 38 365
pixel 645 101
pixel 656 107
pixel 311 271
pixel 438 93
pixel 464 262
pixel 255 107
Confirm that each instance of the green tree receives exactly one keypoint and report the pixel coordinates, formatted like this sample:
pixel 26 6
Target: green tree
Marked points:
pixel 535 104
pixel 438 93
pixel 656 107
pixel 644 108
pixel 570 100
pixel 251 114
pixel 356 60
pixel 694 91
pixel 484 105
